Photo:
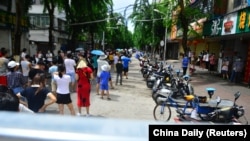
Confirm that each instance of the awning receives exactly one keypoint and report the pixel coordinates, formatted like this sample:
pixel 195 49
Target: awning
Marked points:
pixel 39 38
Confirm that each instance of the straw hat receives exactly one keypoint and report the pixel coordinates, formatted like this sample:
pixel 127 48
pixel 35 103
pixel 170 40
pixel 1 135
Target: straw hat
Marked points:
pixel 81 64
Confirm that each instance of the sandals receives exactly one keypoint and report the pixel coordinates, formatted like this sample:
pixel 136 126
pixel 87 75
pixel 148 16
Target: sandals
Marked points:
pixel 108 98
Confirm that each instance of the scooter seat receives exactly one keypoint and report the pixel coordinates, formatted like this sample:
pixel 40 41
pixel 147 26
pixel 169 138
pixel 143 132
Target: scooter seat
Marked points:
pixel 222 104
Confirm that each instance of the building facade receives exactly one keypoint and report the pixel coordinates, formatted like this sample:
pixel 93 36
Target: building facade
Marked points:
pixel 8 25
pixel 39 30
pixel 230 33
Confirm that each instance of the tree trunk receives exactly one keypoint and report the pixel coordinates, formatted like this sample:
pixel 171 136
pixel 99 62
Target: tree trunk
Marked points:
pixel 51 27
pixel 18 32
pixel 184 23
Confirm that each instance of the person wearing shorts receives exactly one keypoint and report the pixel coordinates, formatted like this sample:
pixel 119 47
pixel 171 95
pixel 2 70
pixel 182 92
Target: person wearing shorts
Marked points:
pixel 125 63
pixel 63 91
pixel 100 62
pixel 104 81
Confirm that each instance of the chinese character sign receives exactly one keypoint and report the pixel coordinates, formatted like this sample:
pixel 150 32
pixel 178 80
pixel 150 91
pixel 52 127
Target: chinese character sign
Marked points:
pixel 229 24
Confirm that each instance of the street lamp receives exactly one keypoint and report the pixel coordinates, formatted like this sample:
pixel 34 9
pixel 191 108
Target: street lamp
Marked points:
pixel 165 38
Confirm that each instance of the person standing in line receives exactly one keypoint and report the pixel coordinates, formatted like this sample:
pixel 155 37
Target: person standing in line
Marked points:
pixel 116 58
pixel 37 69
pixel 125 62
pixel 36 94
pixel 60 57
pixel 100 62
pixel 26 67
pixel 23 54
pixel 15 78
pixel 207 59
pixel 83 76
pixel 224 68
pixel 70 65
pixel 237 70
pixel 111 59
pixel 94 64
pixel 212 63
pixel 104 80
pixel 3 67
pixel 52 70
pixel 49 58
pixel 63 91
pixel 119 69
pixel 185 64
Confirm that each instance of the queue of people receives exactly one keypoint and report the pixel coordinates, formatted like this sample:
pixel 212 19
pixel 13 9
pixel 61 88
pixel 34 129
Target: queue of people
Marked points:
pixel 28 80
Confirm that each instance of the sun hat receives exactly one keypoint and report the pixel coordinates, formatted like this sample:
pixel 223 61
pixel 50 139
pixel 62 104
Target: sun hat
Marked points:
pixel 105 67
pixel 12 64
pixel 81 64
pixel 102 57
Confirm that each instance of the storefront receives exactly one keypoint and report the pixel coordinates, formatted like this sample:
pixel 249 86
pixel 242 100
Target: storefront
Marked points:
pixel 232 32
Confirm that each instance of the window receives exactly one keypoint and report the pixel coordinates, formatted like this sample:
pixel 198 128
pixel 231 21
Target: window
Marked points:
pixel 44 21
pixel 238 3
pixel 39 21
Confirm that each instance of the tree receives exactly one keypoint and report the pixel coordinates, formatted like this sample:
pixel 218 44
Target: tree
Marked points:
pixel 50 5
pixel 22 7
pixel 85 16
pixel 142 19
pixel 185 14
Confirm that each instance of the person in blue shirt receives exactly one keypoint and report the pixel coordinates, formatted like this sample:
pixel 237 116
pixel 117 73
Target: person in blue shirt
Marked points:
pixel 104 80
pixel 185 62
pixel 125 62
pixel 52 70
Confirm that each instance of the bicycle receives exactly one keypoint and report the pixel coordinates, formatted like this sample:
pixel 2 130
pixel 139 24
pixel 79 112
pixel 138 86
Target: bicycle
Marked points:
pixel 164 105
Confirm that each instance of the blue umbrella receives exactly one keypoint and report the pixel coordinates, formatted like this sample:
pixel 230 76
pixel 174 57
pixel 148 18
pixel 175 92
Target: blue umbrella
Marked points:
pixel 97 52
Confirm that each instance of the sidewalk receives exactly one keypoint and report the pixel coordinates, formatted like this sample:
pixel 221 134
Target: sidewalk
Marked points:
pixel 202 79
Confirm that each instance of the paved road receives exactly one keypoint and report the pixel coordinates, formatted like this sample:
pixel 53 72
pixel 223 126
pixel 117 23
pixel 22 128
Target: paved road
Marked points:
pixel 132 100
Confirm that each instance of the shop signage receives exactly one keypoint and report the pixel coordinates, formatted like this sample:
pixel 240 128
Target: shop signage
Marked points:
pixel 213 27
pixel 233 23
pixel 8 21
pixel 229 24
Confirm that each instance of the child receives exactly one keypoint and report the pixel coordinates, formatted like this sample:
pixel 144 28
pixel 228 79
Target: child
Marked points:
pixel 104 80
pixel 119 69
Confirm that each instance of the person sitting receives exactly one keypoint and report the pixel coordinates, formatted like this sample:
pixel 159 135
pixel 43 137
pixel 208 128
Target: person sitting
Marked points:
pixel 10 102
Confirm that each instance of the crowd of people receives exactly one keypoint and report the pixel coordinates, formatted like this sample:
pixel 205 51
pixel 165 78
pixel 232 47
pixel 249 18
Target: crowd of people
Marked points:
pixel 25 82
pixel 231 68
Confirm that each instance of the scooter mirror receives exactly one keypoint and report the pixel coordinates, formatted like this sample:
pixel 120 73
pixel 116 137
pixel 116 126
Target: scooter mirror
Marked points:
pixel 236 96
pixel 218 100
